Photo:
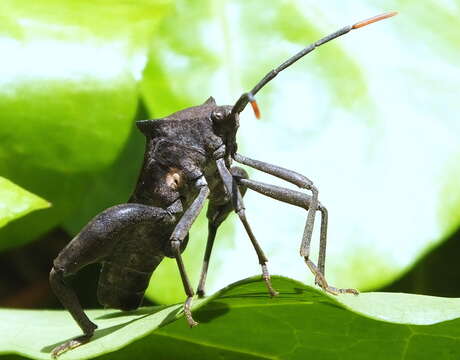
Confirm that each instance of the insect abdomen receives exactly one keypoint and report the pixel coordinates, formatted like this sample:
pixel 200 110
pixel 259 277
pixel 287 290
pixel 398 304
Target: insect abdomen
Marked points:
pixel 123 287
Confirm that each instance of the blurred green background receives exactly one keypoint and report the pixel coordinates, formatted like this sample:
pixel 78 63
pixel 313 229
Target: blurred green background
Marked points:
pixel 370 118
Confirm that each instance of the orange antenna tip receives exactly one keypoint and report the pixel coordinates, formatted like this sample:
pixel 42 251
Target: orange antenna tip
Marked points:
pixel 255 108
pixel 374 19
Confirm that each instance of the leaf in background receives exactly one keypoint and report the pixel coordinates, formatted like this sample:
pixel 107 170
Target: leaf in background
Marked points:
pixel 16 202
pixel 438 38
pixel 112 185
pixel 243 322
pixel 366 117
pixel 68 89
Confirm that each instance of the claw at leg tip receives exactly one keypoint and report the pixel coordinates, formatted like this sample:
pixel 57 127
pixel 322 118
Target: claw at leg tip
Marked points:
pixel 353 291
pixel 349 291
pixel 193 324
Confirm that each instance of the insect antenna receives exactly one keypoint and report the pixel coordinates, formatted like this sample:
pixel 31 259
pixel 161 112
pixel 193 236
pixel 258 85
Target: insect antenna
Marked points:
pixel 249 96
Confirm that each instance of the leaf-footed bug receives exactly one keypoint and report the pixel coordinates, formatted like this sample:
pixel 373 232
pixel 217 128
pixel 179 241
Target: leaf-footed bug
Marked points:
pixel 187 160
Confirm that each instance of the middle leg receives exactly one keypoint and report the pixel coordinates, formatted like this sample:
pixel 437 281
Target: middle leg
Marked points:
pixel 218 210
pixel 295 178
pixel 238 206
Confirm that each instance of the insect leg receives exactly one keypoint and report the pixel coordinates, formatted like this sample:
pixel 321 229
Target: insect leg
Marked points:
pixel 70 301
pixel 92 245
pixel 218 211
pixel 237 201
pixel 212 230
pixel 180 232
pixel 294 178
pixel 304 201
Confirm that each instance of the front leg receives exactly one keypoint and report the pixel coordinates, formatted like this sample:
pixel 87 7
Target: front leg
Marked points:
pixel 294 178
pixel 304 201
pixel 180 232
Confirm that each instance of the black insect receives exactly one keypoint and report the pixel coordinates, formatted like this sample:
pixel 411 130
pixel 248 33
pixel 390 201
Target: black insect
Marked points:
pixel 188 159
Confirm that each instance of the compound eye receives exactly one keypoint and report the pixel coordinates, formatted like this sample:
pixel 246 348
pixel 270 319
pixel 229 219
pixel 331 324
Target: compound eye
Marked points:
pixel 217 115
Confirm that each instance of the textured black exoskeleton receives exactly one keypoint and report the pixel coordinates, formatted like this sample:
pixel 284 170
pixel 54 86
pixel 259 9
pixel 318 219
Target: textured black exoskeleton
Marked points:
pixel 188 159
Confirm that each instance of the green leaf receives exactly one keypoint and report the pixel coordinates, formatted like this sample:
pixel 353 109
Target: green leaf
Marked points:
pixel 68 88
pixel 16 202
pixel 243 322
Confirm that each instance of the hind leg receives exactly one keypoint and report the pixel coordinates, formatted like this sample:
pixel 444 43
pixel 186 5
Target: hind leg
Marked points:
pixel 70 301
pixel 91 245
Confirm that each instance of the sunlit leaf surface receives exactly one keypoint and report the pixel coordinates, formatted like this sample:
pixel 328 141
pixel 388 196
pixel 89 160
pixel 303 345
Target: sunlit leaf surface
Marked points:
pixel 243 322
